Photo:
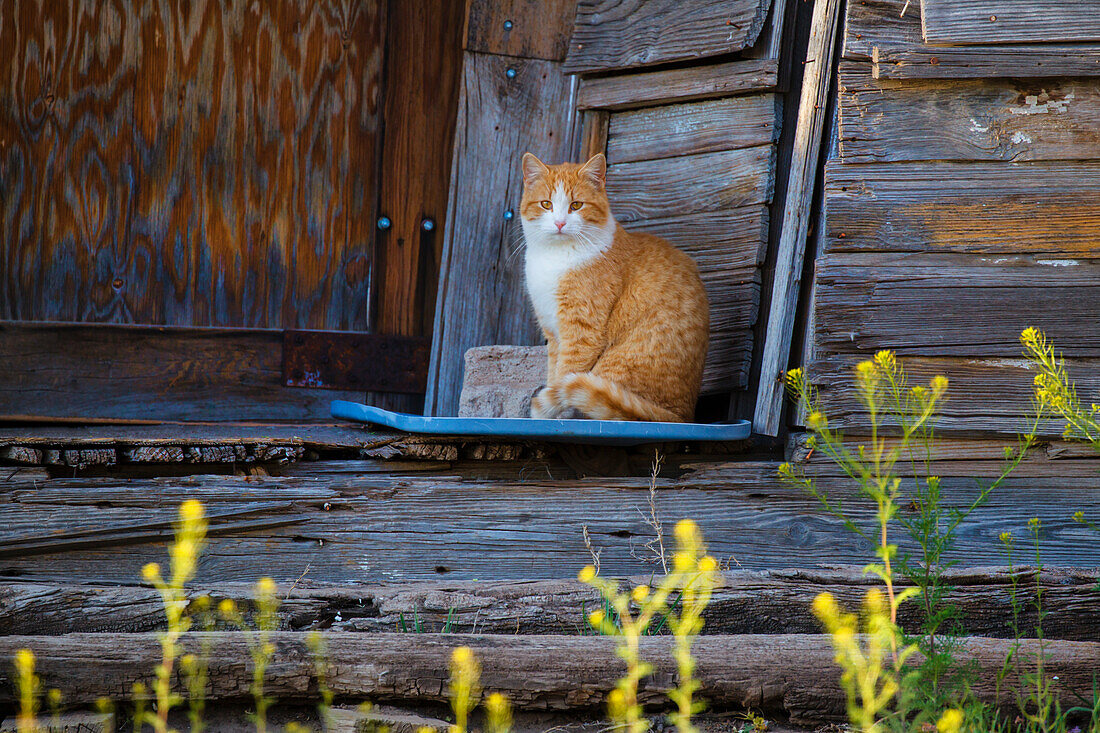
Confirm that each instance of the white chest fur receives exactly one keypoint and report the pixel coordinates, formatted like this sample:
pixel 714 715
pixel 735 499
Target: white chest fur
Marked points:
pixel 546 264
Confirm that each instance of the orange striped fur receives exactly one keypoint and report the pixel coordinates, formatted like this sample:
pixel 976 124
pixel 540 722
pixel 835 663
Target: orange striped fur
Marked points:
pixel 624 313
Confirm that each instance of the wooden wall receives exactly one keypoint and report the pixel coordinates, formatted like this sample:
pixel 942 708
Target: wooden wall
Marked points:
pixel 216 165
pixel 961 208
pixel 690 152
pixel 156 171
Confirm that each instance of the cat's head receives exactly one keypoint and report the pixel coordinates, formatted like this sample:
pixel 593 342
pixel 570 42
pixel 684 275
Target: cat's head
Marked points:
pixel 566 200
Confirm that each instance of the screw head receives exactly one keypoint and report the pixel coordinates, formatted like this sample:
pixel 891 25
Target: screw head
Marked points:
pixel 427 225
pixel 508 215
pixel 507 25
pixel 511 72
pixel 384 222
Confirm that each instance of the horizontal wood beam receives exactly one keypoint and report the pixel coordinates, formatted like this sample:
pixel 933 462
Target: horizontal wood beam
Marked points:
pixel 987 62
pixel 790 674
pixel 746 602
pixel 984 22
pixel 652 88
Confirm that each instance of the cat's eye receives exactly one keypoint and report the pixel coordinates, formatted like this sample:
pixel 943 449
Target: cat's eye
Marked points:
pixel 576 205
pixel 546 205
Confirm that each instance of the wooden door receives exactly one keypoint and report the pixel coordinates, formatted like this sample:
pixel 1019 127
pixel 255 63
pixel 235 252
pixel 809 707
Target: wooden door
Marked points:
pixel 183 185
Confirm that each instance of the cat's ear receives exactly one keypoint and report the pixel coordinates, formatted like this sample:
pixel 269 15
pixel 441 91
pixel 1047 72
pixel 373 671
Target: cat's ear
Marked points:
pixel 533 168
pixel 595 169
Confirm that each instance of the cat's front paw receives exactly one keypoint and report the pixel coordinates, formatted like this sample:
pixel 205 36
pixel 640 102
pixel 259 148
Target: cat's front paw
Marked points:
pixel 546 405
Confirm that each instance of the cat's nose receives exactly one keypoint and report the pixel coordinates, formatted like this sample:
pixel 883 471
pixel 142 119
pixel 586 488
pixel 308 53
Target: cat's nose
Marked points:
pixel 559 225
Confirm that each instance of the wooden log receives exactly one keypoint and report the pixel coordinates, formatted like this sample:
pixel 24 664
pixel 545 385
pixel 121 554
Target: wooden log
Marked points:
pixel 610 35
pixel 520 28
pixel 980 305
pixel 458 525
pixel 816 84
pixel 482 299
pixel 652 189
pixel 1008 120
pixel 746 602
pixel 649 88
pixel 983 22
pixel 151 373
pixel 987 62
pixel 975 208
pixel 698 127
pixel 790 674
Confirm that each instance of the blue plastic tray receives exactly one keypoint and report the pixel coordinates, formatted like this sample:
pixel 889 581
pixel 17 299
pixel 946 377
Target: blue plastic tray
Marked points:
pixel 611 432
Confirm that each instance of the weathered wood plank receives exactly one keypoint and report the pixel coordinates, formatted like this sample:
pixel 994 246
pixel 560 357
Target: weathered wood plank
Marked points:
pixel 700 127
pixel 535 672
pixel 994 119
pixel 594 132
pixel 988 62
pixel 983 22
pixel 721 241
pixel 149 373
pixel 520 28
pixel 745 602
pixel 986 395
pixel 802 179
pixel 653 189
pixel 317 436
pixel 977 208
pixel 620 34
pixel 482 299
pixel 927 307
pixel 285 192
pixel 419 526
pixel 955 450
pixel 648 88
pixel 871 23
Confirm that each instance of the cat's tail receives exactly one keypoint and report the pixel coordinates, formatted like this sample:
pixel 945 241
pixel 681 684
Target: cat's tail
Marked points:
pixel 602 399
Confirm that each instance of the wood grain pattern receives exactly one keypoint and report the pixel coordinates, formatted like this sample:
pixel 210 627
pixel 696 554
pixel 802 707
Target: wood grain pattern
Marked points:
pixel 539 30
pixel 986 395
pixel 626 91
pixel 482 299
pixel 536 673
pixel 423 48
pixel 977 208
pixel 983 22
pixel 160 175
pixel 700 127
pixel 745 602
pixel 871 23
pixel 651 189
pixel 804 172
pixel 594 132
pixel 447 525
pixel 988 62
pixel 995 119
pixel 929 306
pixel 619 34
pixel 151 374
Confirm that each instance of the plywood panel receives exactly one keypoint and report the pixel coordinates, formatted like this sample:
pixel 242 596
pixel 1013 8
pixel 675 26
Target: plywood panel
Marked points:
pixel 482 297
pixel 654 189
pixel 67 167
pixel 978 208
pixel 618 34
pixel 981 22
pixel 124 372
pixel 997 119
pixel 189 165
pixel 700 127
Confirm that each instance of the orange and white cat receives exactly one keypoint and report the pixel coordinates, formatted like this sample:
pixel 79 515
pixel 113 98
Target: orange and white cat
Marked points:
pixel 624 313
